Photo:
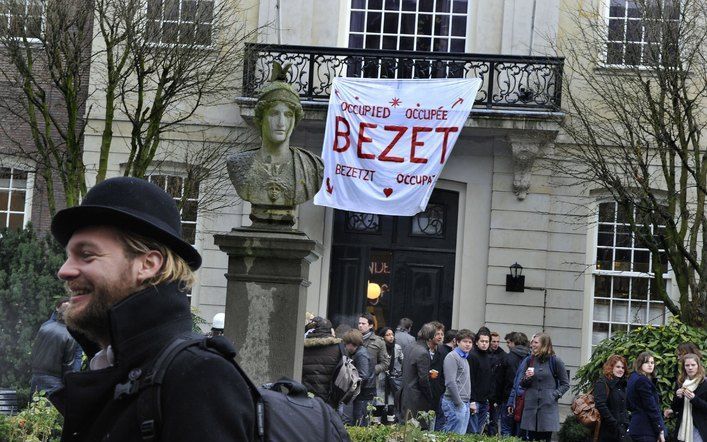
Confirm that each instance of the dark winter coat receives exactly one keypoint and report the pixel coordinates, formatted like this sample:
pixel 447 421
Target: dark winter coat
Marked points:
pixel 416 393
pixel 362 362
pixel 610 400
pixel 204 398
pixel 321 357
pixel 542 391
pixel 512 361
pixel 498 363
pixel 644 405
pixel 481 376
pixel 437 363
pixel 699 409
pixel 53 350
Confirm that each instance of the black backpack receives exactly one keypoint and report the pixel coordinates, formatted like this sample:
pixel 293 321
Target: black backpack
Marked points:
pixel 283 410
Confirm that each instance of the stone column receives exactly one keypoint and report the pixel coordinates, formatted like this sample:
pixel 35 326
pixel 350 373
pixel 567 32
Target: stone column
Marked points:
pixel 265 299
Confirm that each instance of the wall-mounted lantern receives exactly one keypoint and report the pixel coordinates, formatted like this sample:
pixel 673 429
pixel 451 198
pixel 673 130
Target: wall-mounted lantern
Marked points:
pixel 515 281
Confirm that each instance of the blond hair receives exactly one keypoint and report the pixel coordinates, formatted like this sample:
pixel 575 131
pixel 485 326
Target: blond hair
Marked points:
pixel 545 350
pixel 174 267
pixel 700 368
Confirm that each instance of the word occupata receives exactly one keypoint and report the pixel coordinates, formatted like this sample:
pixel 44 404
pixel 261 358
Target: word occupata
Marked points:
pixel 367 132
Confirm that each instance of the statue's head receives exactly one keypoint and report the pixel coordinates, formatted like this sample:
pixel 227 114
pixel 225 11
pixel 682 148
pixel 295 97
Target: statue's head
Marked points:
pixel 274 98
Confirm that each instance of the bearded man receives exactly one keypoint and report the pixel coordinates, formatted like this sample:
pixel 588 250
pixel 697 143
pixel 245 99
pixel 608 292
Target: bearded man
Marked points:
pixel 127 272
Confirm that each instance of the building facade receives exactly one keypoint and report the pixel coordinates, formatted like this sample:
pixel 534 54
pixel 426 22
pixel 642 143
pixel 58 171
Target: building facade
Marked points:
pixel 498 201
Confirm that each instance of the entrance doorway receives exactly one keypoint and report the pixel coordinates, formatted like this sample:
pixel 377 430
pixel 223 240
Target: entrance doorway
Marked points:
pixel 395 267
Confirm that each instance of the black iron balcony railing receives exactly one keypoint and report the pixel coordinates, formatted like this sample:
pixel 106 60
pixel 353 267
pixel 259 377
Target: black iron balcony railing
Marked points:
pixel 509 82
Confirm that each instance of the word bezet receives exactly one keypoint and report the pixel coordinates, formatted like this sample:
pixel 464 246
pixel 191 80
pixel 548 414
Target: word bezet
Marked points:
pixel 343 131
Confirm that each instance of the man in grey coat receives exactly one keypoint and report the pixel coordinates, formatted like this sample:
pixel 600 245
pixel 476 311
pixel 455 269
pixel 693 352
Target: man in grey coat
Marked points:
pixel 402 334
pixel 416 393
pixel 379 363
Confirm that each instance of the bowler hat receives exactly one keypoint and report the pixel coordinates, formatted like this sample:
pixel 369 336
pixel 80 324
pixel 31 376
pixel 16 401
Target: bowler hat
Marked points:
pixel 131 204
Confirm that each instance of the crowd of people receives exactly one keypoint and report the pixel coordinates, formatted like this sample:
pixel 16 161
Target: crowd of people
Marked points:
pixel 474 386
pixel 629 405
pixel 470 383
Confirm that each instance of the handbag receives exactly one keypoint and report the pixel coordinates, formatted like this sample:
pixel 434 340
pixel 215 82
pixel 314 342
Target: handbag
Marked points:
pixel 585 410
pixel 518 407
pixel 520 401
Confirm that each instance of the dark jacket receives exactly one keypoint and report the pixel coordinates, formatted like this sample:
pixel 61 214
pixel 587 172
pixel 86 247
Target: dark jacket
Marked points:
pixel 362 362
pixel 699 409
pixel 380 361
pixel 437 363
pixel 416 393
pixel 512 361
pixel 321 357
pixel 498 363
pixel 203 396
pixel 644 405
pixel 481 375
pixel 53 350
pixel 610 400
pixel 542 391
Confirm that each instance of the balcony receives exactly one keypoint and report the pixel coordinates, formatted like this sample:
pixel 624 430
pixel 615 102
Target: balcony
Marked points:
pixel 511 84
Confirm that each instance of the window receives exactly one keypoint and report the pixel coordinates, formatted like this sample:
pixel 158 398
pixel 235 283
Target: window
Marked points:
pixel 642 32
pixel 21 17
pixel 13 195
pixel 181 22
pixel 412 25
pixel 625 294
pixel 186 194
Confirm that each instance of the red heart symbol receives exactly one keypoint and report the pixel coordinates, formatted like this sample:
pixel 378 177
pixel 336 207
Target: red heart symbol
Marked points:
pixel 388 191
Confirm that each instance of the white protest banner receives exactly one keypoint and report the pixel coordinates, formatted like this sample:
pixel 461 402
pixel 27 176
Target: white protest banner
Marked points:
pixel 386 141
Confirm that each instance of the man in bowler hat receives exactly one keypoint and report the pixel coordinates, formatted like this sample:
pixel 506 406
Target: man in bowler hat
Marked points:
pixel 127 270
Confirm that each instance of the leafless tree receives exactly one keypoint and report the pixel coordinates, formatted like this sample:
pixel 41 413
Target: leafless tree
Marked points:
pixel 154 66
pixel 635 105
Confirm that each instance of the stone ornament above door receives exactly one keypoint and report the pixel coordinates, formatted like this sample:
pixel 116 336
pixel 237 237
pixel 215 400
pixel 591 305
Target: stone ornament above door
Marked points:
pixel 526 146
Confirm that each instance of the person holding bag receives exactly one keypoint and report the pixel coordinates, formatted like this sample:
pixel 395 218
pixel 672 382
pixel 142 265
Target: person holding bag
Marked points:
pixel 610 400
pixel 545 381
pixel 690 402
pixel 642 398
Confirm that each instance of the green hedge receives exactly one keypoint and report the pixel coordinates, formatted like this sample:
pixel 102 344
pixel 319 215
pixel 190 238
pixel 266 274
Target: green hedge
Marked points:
pixel 661 341
pixel 409 433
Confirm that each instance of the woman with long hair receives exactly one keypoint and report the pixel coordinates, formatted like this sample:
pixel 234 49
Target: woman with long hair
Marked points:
pixel 389 381
pixel 690 402
pixel 642 398
pixel 545 381
pixel 610 400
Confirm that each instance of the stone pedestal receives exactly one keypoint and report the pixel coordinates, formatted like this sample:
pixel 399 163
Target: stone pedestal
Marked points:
pixel 265 298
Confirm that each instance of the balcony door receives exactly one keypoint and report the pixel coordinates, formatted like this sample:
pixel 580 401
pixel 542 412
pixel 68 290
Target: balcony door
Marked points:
pixel 395 267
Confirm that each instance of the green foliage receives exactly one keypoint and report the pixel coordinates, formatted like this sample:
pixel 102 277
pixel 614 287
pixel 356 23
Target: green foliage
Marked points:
pixel 40 422
pixel 411 433
pixel 573 431
pixel 28 290
pixel 661 341
pixel 197 321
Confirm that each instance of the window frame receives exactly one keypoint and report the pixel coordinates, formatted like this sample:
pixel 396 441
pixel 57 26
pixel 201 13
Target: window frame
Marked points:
pixel 178 22
pixel 591 304
pixel 29 194
pixel 400 11
pixel 606 19
pixel 42 23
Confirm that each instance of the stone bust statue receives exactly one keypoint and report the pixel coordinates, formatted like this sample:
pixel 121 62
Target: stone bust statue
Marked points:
pixel 276 177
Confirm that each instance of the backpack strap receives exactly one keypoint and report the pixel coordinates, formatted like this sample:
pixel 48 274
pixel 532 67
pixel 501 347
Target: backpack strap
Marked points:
pixel 148 388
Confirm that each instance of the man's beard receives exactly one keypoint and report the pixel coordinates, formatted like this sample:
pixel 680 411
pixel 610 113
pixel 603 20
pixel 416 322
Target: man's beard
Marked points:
pixel 93 321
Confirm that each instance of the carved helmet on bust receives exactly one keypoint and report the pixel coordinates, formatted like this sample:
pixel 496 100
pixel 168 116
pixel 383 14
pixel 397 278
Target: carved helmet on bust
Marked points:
pixel 278 90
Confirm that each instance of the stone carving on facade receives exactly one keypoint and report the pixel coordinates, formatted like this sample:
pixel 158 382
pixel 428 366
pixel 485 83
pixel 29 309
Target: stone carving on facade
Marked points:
pixel 525 149
pixel 276 177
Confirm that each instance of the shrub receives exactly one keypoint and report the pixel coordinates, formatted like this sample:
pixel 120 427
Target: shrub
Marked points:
pixel 411 433
pixel 573 431
pixel 40 422
pixel 661 341
pixel 28 290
